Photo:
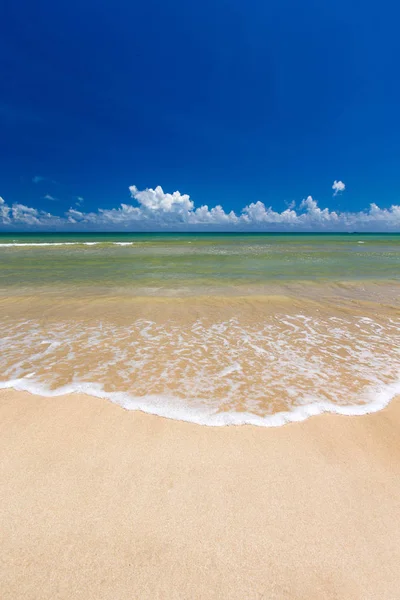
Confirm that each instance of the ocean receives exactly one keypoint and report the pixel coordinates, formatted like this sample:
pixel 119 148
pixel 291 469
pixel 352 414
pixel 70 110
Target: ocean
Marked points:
pixel 214 329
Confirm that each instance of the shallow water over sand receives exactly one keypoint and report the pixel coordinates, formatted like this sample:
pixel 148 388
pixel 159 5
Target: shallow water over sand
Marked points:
pixel 257 336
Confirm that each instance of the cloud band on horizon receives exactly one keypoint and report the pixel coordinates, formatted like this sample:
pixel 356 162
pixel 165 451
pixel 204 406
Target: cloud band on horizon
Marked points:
pixel 154 209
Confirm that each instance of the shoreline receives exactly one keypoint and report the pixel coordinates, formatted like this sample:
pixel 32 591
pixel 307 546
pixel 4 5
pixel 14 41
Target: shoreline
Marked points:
pixel 299 414
pixel 101 503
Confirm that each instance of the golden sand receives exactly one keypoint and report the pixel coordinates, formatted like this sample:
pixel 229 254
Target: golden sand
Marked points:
pixel 100 503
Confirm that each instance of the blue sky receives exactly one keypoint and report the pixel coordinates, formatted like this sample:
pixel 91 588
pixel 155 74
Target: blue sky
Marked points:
pixel 233 103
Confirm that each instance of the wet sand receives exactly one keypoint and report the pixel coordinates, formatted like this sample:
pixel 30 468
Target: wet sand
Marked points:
pixel 207 359
pixel 100 503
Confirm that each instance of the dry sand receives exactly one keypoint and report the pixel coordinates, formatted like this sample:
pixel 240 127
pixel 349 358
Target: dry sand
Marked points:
pixel 99 503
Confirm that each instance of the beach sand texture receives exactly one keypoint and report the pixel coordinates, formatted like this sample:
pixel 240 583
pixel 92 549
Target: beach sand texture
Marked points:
pixel 101 503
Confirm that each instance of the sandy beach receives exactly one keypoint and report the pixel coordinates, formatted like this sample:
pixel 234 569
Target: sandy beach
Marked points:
pixel 101 503
pixel 199 301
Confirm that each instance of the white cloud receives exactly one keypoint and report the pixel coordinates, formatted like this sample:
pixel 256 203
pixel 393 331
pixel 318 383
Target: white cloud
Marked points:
pixel 154 209
pixel 49 197
pixel 158 201
pixel 317 215
pixel 25 215
pixel 257 213
pixel 214 216
pixel 5 218
pixel 20 214
pixel 338 186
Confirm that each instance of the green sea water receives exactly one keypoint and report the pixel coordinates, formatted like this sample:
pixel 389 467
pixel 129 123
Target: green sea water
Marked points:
pixel 211 328
pixel 159 262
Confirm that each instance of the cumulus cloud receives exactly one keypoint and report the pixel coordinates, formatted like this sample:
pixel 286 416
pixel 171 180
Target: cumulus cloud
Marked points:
pixel 20 214
pixel 158 201
pixel 5 218
pixel 154 209
pixel 50 197
pixel 338 186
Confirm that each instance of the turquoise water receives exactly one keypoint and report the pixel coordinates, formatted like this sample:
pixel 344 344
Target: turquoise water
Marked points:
pixel 195 261
pixel 209 328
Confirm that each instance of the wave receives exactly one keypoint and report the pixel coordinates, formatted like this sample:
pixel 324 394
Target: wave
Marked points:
pixel 174 408
pixel 39 244
pixel 282 369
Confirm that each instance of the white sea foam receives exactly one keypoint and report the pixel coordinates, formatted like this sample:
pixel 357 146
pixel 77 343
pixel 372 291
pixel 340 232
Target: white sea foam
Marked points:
pixel 219 374
pixel 230 369
pixel 41 244
pixel 176 409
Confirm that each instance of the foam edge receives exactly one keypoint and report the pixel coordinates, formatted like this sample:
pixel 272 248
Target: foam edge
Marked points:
pixel 172 408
